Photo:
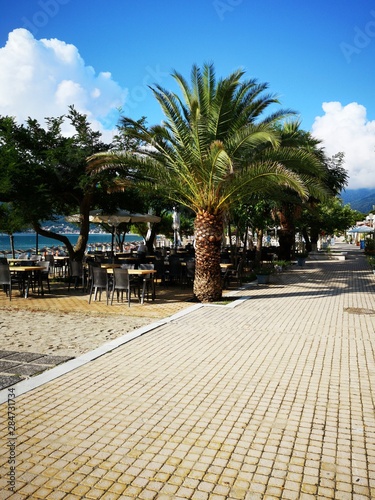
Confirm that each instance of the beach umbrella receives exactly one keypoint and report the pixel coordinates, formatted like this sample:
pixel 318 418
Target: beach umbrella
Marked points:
pixel 114 219
pixel 119 217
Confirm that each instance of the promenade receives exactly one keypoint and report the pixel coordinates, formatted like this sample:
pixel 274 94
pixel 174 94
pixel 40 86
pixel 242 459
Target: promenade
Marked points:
pixel 268 397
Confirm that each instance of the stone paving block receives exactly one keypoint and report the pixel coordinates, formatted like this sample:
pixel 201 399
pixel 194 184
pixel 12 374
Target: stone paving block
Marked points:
pixel 279 406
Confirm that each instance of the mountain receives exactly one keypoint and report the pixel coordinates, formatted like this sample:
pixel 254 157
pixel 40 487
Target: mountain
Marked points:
pixel 362 200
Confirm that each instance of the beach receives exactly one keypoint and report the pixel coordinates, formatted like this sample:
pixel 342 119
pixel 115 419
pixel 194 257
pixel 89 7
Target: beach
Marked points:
pixel 63 334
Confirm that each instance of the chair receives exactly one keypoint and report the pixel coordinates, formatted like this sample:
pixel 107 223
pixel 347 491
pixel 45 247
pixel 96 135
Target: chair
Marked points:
pixel 90 266
pixel 44 275
pixel 174 270
pixel 99 283
pixel 159 266
pixel 51 260
pixel 121 283
pixel 76 273
pixel 190 271
pixel 148 281
pixel 61 266
pixel 236 274
pixel 6 279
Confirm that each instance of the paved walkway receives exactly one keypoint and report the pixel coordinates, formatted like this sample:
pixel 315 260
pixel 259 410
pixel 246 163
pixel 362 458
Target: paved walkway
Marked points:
pixel 267 398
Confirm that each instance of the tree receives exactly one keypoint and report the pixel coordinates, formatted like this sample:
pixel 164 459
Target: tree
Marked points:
pixel 11 221
pixel 312 222
pixel 206 156
pixel 45 174
pixel 301 153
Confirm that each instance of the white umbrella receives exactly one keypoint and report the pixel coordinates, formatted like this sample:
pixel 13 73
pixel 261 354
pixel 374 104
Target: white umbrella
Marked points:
pixel 115 219
pixel 118 217
pixel 361 229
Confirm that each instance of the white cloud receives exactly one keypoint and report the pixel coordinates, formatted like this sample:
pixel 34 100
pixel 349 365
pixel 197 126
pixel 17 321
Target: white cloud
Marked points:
pixel 347 129
pixel 41 78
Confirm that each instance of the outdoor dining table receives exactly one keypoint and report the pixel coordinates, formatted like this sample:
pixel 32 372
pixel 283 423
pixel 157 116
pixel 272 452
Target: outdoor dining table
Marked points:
pixel 141 273
pixel 27 274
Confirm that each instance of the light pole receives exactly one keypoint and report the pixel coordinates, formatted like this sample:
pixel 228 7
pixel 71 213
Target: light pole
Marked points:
pixel 113 222
pixel 175 227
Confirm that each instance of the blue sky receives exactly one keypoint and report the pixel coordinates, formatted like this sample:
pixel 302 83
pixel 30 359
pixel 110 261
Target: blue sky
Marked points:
pixel 102 54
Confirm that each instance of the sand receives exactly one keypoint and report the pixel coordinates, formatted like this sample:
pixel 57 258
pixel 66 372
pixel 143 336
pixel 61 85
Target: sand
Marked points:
pixel 63 334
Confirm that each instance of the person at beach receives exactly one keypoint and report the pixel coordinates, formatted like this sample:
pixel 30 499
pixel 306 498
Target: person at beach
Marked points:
pixel 142 249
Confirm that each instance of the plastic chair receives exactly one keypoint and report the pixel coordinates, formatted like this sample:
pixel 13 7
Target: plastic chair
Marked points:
pixel 148 281
pixel 159 266
pixel 75 273
pixel 51 260
pixel 121 283
pixel 99 283
pixel 44 275
pixel 6 279
pixel 235 274
pixel 174 270
pixel 190 271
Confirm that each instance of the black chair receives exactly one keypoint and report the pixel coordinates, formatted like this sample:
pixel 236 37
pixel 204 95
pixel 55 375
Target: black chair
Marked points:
pixel 148 281
pixel 90 266
pixel 190 271
pixel 121 284
pixel 51 260
pixel 174 270
pixel 43 275
pixel 234 274
pixel 76 274
pixel 99 283
pixel 159 266
pixel 6 280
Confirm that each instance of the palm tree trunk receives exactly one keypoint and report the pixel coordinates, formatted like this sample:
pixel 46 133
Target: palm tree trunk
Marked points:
pixel 209 233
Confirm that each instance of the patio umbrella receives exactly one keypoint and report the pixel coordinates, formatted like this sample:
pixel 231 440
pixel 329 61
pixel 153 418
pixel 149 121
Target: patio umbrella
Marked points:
pixel 115 219
pixel 120 216
pixel 361 229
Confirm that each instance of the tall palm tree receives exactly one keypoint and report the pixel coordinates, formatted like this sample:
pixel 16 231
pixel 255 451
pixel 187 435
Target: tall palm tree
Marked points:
pixel 207 156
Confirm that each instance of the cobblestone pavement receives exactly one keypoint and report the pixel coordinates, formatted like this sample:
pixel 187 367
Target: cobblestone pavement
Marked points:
pixel 267 398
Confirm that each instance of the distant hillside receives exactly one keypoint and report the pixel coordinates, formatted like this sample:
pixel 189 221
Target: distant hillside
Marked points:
pixel 362 200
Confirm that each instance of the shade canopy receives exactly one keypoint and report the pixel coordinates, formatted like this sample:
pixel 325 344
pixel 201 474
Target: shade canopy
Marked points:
pixel 116 218
pixel 361 229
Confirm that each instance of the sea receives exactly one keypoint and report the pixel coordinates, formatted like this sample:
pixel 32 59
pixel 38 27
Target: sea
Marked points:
pixel 26 242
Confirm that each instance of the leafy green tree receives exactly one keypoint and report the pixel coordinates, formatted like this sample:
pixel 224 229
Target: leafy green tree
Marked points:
pixel 331 217
pixel 207 156
pixel 45 174
pixel 11 221
pixel 296 146
pixel 312 221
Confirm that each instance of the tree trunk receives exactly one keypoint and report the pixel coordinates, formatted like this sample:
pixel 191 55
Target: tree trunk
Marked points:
pixel 209 233
pixel 286 242
pixel 258 252
pixel 11 238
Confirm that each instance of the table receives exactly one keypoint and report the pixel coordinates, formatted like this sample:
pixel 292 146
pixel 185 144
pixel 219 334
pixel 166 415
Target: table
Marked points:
pixel 141 273
pixel 108 265
pixel 26 272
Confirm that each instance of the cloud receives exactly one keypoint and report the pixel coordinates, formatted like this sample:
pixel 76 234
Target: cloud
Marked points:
pixel 347 129
pixel 41 78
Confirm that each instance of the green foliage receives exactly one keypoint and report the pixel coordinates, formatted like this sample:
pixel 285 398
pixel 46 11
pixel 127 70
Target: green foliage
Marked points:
pixel 370 246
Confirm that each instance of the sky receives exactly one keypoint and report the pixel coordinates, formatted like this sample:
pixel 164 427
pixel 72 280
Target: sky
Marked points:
pixel 317 57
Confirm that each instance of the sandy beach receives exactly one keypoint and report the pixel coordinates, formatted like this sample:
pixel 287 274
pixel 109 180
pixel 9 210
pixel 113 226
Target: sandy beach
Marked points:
pixel 65 334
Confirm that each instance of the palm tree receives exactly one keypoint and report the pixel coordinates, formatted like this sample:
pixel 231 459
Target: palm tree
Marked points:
pixel 207 156
pixel 296 146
